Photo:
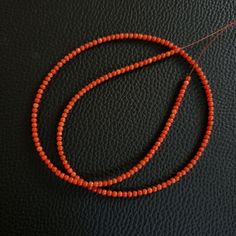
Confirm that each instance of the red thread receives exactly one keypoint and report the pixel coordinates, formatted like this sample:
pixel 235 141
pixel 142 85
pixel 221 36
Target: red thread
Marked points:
pixel 215 33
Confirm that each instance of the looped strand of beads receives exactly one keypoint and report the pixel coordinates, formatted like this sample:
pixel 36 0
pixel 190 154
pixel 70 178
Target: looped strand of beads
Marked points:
pixel 96 186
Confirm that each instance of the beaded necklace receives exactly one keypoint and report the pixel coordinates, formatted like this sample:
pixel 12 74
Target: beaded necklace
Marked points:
pixel 97 186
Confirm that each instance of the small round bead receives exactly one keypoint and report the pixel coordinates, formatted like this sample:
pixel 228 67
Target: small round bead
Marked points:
pixel 164 185
pixel 145 191
pixel 193 162
pixel 135 193
pixel 140 192
pixel 154 189
pixel 149 190
pixel 119 194
pixel 159 187
pixel 129 194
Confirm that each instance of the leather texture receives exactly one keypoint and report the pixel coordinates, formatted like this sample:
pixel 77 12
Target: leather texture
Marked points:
pixel 114 125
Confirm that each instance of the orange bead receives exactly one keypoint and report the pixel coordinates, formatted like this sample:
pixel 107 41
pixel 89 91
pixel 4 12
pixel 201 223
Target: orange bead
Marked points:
pixel 149 190
pixel 159 187
pixel 135 193
pixel 119 194
pixel 164 185
pixel 129 194
pixel 145 192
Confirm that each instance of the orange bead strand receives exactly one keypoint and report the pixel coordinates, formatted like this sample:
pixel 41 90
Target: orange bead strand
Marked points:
pixel 96 186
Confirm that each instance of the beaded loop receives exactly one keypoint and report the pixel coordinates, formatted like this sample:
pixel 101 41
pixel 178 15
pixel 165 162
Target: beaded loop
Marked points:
pixel 95 186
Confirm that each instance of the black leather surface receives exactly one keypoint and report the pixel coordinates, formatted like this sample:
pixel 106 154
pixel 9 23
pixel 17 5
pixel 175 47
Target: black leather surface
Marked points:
pixel 114 125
